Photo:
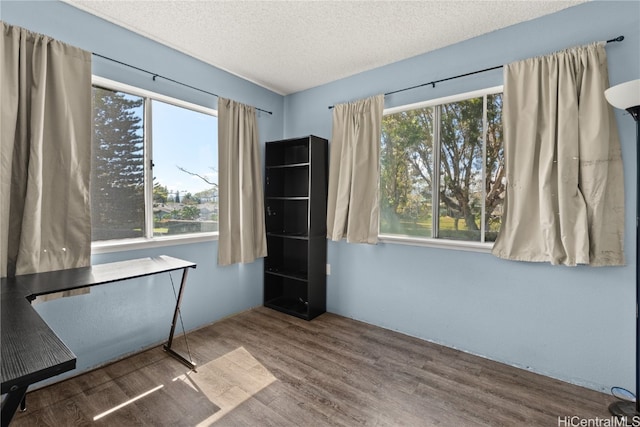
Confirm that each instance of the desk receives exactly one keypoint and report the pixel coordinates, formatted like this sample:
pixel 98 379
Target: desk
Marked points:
pixel 31 351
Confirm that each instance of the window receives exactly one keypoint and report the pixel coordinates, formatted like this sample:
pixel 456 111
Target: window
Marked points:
pixel 177 193
pixel 442 168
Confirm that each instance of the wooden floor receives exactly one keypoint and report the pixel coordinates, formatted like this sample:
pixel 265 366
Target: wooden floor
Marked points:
pixel 263 368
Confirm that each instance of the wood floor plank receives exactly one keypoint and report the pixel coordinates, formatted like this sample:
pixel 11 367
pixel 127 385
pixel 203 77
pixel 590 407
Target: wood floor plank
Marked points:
pixel 264 368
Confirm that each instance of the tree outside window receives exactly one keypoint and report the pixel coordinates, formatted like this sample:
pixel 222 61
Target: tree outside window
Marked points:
pixel 117 167
pixel 442 170
pixel 183 190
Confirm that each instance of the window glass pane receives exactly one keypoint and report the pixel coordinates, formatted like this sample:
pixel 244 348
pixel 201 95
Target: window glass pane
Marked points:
pixel 117 169
pixel 406 173
pixel 494 177
pixel 185 178
pixel 460 190
pixel 470 171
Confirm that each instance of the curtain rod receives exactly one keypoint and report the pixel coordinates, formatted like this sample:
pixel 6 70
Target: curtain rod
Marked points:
pixel 156 75
pixel 433 83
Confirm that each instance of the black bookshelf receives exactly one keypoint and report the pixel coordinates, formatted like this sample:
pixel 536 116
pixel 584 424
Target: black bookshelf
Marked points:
pixel 295 212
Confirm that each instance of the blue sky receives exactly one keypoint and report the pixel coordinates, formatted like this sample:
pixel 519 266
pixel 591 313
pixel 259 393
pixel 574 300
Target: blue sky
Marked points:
pixel 187 139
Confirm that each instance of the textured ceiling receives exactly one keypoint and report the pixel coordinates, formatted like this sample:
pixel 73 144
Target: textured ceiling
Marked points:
pixel 289 46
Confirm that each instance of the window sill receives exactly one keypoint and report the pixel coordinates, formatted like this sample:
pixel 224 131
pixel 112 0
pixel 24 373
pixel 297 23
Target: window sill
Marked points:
pixel 437 243
pixel 108 246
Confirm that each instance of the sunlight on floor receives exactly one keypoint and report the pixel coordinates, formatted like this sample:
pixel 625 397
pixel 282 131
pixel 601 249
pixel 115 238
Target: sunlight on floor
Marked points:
pixel 128 402
pixel 228 381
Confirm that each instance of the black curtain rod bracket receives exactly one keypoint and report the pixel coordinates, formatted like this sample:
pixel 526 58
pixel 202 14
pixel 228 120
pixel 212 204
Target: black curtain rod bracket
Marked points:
pixel 156 75
pixel 433 83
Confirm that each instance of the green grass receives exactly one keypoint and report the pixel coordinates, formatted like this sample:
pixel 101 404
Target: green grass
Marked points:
pixel 422 228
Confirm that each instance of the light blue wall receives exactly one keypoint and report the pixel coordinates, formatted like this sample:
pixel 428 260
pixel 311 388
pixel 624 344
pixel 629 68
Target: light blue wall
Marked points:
pixel 118 319
pixel 576 324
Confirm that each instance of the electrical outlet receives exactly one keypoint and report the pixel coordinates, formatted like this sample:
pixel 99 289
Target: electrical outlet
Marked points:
pixel 328 269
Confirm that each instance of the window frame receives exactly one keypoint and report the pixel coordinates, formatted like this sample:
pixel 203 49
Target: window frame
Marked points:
pixel 435 242
pixel 148 240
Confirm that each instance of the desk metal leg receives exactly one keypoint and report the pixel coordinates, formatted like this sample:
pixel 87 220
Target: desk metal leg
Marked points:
pixel 10 404
pixel 167 347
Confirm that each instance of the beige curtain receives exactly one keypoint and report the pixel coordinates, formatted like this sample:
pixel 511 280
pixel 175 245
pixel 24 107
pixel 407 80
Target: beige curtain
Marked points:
pixel 354 170
pixel 45 126
pixel 565 198
pixel 242 229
